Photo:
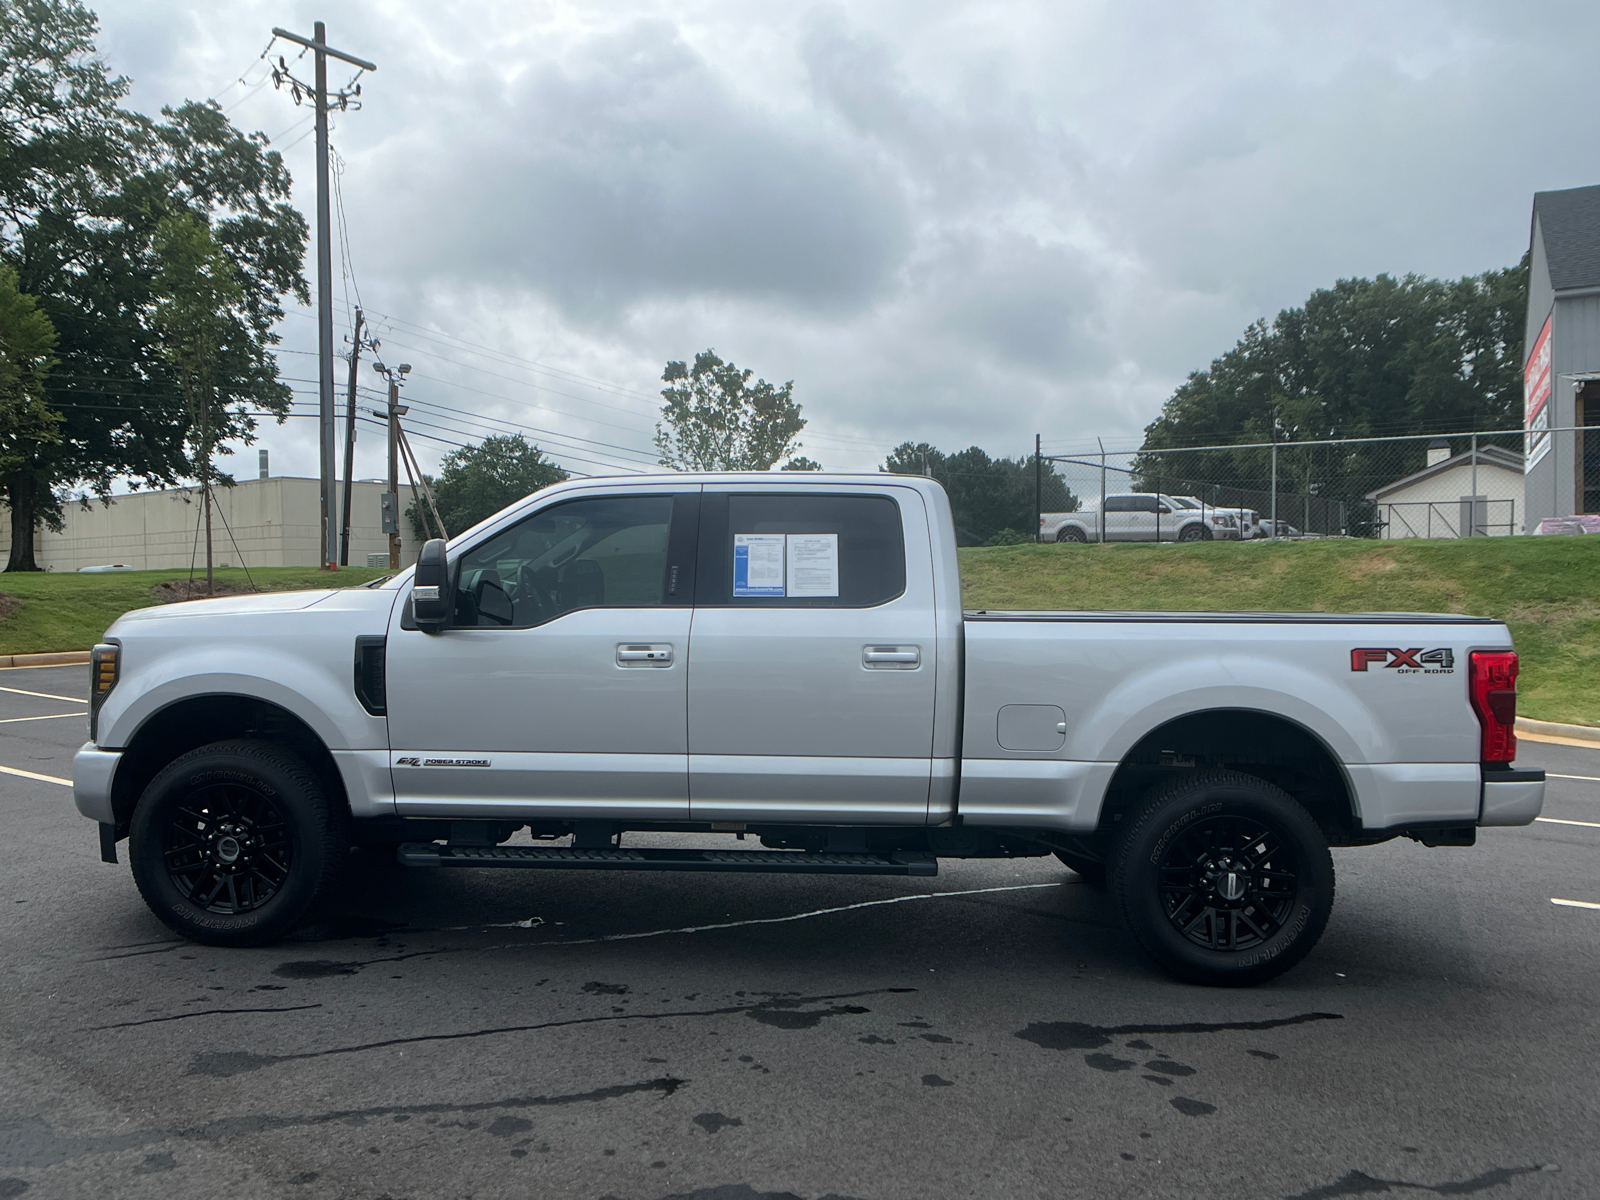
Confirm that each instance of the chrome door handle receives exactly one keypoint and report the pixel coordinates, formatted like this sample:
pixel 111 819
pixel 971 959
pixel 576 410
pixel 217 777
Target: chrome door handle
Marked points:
pixel 891 658
pixel 641 654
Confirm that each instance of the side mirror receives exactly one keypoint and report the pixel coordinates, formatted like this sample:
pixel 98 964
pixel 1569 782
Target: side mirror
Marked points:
pixel 430 587
pixel 1163 510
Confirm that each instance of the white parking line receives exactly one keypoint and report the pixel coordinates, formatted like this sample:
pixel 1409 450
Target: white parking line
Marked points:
pixel 46 717
pixel 1559 821
pixel 1585 778
pixel 35 775
pixel 44 695
pixel 1574 903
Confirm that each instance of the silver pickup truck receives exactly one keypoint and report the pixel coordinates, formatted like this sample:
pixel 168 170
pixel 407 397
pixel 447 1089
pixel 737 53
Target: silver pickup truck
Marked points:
pixel 785 660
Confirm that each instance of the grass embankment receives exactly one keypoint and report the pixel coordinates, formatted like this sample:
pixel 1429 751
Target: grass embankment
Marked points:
pixel 68 611
pixel 1546 589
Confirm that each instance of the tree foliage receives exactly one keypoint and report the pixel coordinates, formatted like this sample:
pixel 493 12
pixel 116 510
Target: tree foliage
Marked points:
pixel 27 340
pixel 716 420
pixel 991 498
pixel 84 188
pixel 475 482
pixel 1364 358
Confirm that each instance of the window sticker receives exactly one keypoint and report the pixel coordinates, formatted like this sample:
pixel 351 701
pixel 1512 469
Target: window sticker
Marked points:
pixel 813 564
pixel 758 564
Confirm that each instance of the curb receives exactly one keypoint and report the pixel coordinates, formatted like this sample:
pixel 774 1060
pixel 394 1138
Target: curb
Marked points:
pixel 1583 734
pixel 61 658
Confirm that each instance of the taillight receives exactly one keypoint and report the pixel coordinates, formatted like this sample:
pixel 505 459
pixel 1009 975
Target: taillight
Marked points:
pixel 1494 699
pixel 104 664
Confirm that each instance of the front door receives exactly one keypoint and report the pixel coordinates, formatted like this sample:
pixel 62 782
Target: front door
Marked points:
pixel 811 663
pixel 558 689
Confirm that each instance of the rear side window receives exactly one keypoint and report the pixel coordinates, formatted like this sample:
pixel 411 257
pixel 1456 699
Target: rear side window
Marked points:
pixel 800 550
pixel 1119 503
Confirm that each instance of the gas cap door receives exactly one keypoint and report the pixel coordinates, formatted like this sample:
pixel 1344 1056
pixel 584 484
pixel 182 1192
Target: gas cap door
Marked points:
pixel 1032 727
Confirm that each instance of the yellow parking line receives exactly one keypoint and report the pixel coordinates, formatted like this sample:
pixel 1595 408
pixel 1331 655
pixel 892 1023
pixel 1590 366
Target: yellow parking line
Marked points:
pixel 44 695
pixel 1574 903
pixel 46 717
pixel 35 775
pixel 1559 821
pixel 1557 741
pixel 1585 778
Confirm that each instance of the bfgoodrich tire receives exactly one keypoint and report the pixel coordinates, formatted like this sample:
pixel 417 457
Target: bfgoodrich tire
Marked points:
pixel 234 843
pixel 1223 879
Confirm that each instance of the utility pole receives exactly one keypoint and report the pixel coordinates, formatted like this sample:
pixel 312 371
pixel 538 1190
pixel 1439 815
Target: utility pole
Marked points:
pixel 317 44
pixel 391 498
pixel 350 439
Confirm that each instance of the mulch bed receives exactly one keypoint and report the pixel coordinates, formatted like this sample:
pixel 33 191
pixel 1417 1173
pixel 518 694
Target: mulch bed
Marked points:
pixel 8 605
pixel 175 590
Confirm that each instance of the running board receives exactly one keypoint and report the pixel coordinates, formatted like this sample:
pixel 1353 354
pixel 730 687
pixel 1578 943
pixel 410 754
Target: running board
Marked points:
pixel 432 854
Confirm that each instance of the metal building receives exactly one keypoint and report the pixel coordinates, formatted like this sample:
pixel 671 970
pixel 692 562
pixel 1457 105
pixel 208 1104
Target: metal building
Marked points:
pixel 1561 377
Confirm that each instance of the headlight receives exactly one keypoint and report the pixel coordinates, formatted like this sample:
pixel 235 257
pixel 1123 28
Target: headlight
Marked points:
pixel 105 661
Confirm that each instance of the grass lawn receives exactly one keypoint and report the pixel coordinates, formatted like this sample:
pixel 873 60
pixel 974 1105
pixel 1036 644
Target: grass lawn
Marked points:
pixel 1547 589
pixel 68 611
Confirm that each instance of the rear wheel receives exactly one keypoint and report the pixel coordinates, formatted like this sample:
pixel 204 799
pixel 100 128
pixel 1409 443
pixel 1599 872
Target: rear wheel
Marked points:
pixel 234 843
pixel 1071 533
pixel 1223 879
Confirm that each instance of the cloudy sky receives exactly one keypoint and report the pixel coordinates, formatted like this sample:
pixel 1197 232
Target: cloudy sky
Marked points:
pixel 960 223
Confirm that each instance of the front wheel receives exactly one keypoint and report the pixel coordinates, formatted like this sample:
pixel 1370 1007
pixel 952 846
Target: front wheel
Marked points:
pixel 1194 533
pixel 1071 533
pixel 1223 879
pixel 234 843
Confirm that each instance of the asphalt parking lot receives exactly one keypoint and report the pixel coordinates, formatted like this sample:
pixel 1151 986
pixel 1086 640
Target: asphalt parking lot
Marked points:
pixel 988 1032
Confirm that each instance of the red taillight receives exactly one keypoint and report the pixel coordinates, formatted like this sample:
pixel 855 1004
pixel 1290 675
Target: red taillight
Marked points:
pixel 1494 699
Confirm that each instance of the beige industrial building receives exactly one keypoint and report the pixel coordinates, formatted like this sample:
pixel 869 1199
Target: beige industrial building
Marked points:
pixel 271 522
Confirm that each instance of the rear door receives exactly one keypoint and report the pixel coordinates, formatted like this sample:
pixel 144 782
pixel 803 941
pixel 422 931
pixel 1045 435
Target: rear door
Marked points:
pixel 1118 518
pixel 811 661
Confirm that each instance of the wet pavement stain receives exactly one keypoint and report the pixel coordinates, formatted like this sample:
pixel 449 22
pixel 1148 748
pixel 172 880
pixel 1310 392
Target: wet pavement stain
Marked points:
pixel 1167 1067
pixel 317 968
pixel 596 988
pixel 936 1081
pixel 224 1063
pixel 508 1126
pixel 715 1122
pixel 1079 1035
pixel 1192 1108
pixel 156 1162
pixel 12 1186
pixel 31 1142
pixel 735 1191
pixel 1359 1183
pixel 1108 1062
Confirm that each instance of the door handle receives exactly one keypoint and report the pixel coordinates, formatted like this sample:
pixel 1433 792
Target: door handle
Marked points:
pixel 891 658
pixel 641 654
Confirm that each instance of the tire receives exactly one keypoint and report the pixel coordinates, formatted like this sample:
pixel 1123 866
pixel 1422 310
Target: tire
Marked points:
pixel 1169 878
pixel 1194 533
pixel 235 843
pixel 1071 533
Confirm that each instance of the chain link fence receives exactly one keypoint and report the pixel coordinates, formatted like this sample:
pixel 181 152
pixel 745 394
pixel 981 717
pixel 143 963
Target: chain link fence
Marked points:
pixel 1456 485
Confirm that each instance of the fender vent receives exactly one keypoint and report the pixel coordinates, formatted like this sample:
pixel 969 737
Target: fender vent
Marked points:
pixel 370 688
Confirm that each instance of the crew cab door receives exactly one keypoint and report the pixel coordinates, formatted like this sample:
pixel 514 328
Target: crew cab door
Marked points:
pixel 558 688
pixel 811 662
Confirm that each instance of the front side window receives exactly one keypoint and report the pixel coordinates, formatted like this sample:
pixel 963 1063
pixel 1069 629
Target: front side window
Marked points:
pixel 603 552
pixel 793 550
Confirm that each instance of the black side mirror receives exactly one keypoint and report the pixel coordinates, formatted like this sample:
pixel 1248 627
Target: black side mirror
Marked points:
pixel 430 587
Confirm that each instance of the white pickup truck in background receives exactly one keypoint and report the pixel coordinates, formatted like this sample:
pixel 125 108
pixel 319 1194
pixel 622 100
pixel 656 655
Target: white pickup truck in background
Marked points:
pixel 786 659
pixel 1145 517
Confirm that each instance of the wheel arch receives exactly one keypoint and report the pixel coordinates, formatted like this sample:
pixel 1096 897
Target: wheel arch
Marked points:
pixel 196 721
pixel 1267 745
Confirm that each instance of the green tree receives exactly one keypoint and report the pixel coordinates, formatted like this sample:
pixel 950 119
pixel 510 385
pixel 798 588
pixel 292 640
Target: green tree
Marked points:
pixel 991 499
pixel 203 328
pixel 84 187
pixel 475 482
pixel 26 341
pixel 1364 358
pixel 716 420
pixel 801 463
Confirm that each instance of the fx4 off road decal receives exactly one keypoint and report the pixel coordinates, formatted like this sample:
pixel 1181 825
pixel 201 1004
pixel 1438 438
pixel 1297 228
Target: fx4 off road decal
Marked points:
pixel 1407 662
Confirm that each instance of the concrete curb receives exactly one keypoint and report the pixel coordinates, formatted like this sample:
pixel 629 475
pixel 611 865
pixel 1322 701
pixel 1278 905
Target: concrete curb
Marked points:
pixel 1586 734
pixel 61 658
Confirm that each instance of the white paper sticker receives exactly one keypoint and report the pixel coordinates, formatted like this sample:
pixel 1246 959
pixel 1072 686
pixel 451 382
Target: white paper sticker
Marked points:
pixel 758 564
pixel 813 564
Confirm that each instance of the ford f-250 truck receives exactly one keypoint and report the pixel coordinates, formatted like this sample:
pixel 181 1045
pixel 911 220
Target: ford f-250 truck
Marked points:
pixel 783 659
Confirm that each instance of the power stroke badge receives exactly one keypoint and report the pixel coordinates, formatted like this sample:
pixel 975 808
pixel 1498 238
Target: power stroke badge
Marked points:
pixel 442 762
pixel 1405 662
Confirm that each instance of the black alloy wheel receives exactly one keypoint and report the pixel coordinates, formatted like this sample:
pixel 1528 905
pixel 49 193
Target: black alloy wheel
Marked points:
pixel 1223 879
pixel 235 842
pixel 1071 533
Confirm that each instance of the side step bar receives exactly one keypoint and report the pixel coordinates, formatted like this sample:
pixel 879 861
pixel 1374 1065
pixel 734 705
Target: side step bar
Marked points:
pixel 432 854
